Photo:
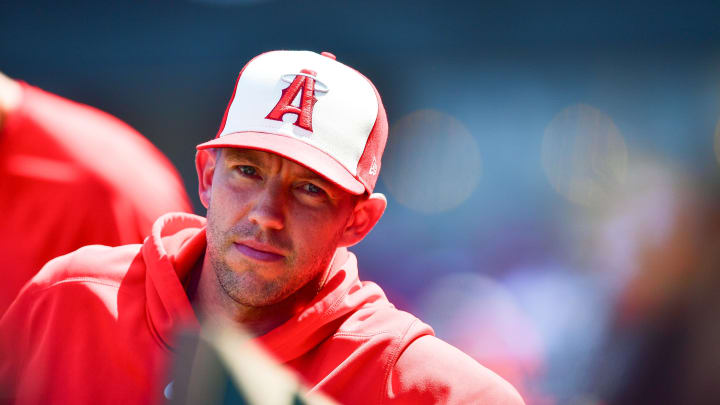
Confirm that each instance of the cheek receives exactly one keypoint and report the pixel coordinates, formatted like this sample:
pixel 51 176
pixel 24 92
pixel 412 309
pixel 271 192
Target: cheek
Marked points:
pixel 225 203
pixel 315 234
pixel 222 212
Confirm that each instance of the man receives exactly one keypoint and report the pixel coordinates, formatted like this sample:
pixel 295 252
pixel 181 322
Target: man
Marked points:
pixel 288 185
pixel 71 176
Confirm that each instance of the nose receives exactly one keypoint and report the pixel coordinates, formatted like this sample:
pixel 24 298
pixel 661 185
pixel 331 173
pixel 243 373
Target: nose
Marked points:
pixel 268 210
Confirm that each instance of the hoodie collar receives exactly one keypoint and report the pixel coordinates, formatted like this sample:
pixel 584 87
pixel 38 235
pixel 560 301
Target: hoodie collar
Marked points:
pixel 176 243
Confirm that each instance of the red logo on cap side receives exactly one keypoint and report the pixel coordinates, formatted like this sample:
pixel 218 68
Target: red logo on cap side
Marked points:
pixel 305 80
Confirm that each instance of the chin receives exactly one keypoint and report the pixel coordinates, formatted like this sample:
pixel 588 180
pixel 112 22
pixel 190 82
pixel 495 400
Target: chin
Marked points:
pixel 252 288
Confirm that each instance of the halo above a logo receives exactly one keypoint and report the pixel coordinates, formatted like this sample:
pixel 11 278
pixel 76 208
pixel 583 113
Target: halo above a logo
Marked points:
pixel 320 87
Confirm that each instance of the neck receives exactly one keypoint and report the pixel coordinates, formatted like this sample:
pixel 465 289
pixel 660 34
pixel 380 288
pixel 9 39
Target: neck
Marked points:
pixel 211 303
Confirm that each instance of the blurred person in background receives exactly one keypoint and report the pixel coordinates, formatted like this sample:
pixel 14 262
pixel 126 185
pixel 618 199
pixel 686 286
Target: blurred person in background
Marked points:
pixel 288 186
pixel 662 343
pixel 70 176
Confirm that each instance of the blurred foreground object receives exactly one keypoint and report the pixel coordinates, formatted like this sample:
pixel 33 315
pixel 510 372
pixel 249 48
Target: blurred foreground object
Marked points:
pixel 70 176
pixel 222 365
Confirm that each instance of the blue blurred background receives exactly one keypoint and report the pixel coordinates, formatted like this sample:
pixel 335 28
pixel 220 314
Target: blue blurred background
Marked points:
pixel 551 169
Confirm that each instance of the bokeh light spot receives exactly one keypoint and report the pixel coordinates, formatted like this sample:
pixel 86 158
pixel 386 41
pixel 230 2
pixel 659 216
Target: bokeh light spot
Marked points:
pixel 432 163
pixel 584 155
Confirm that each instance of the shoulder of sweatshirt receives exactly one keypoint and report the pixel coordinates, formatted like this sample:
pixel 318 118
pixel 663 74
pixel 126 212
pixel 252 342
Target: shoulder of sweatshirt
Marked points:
pixel 430 370
pixel 92 264
pixel 382 317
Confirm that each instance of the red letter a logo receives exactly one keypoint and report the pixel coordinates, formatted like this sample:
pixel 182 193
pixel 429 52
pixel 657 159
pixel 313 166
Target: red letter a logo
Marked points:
pixel 306 81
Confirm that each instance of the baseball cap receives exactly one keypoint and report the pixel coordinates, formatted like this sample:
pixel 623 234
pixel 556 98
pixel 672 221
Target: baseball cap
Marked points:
pixel 311 109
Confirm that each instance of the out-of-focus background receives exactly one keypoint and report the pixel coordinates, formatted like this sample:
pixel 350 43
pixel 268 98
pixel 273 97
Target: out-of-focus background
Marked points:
pixel 552 170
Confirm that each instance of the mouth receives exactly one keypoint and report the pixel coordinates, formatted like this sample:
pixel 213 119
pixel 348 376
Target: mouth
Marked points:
pixel 259 251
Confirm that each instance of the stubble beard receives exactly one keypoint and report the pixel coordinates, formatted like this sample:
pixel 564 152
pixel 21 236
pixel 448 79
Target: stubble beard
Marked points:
pixel 247 287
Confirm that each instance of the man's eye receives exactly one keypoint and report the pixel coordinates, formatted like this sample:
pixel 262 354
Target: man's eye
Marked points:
pixel 312 189
pixel 248 170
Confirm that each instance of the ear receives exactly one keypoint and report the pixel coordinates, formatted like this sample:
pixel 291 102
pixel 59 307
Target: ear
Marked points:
pixel 366 214
pixel 205 161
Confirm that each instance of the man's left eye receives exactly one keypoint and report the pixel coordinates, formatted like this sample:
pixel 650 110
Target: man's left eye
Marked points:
pixel 312 189
pixel 248 170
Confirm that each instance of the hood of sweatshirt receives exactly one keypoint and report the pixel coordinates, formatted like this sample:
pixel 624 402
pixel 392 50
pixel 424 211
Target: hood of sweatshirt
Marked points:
pixel 176 244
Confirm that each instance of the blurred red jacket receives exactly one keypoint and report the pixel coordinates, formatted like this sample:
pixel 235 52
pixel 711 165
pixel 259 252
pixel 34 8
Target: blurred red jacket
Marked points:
pixel 70 176
pixel 97 325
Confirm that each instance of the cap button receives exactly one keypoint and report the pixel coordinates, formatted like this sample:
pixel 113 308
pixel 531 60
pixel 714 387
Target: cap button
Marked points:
pixel 329 55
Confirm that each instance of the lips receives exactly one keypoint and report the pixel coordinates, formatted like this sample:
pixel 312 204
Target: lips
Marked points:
pixel 259 251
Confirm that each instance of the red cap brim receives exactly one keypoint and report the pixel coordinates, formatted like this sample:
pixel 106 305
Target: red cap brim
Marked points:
pixel 292 149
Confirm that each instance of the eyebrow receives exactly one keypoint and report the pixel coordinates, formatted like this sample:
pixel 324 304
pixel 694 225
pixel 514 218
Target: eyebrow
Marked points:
pixel 307 174
pixel 310 175
pixel 250 155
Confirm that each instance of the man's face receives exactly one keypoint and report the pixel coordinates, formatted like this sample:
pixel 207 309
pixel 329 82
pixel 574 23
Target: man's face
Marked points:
pixel 273 225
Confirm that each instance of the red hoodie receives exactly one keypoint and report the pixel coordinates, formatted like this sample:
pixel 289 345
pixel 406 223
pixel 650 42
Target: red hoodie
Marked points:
pixel 70 176
pixel 96 326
